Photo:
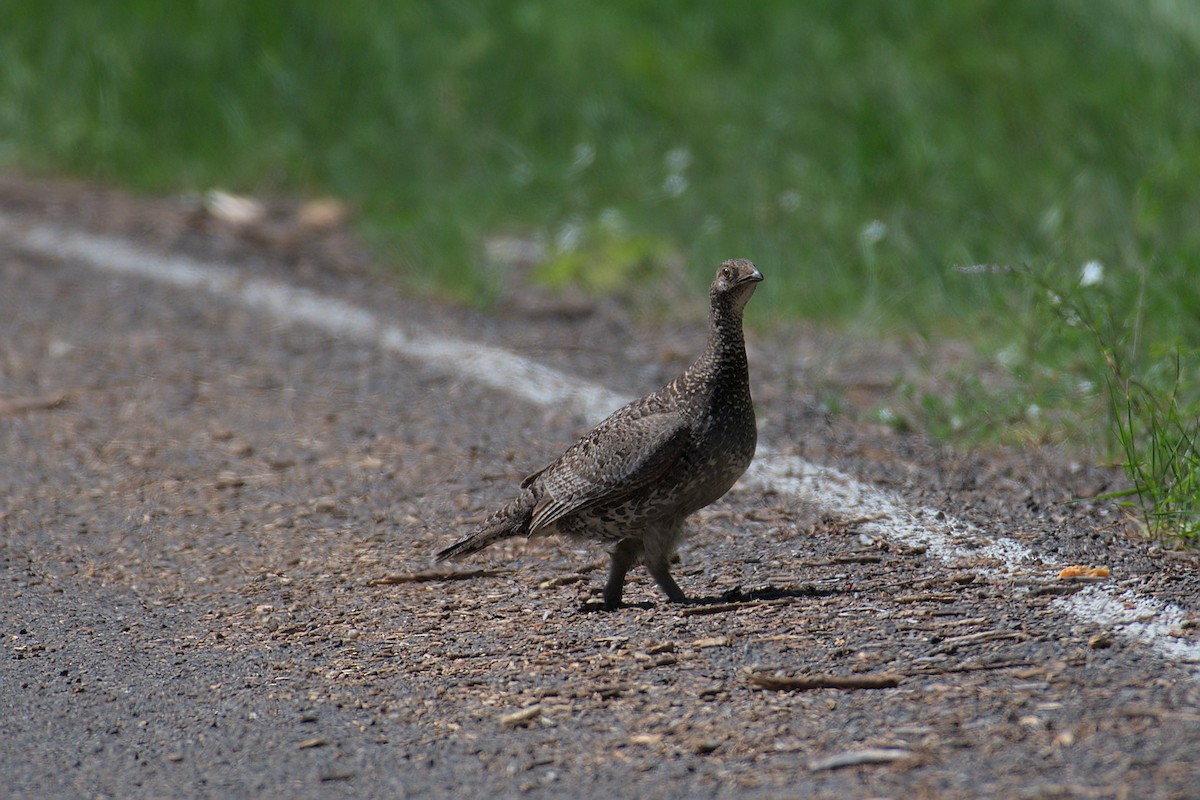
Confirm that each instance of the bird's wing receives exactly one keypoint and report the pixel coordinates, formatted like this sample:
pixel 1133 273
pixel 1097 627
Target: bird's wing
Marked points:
pixel 620 456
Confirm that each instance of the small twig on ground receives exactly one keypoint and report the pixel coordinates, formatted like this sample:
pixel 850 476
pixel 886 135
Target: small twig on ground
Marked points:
pixel 928 597
pixel 718 608
pixel 715 608
pixel 521 718
pixel 561 580
pixel 433 575
pixel 863 558
pixel 984 636
pixel 19 405
pixel 854 758
pixel 806 683
pixel 973 666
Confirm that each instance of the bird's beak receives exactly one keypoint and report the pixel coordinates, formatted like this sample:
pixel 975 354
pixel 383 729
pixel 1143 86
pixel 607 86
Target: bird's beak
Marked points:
pixel 753 277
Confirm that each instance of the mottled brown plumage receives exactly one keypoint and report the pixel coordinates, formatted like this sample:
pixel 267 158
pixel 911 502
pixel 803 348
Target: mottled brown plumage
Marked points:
pixel 635 478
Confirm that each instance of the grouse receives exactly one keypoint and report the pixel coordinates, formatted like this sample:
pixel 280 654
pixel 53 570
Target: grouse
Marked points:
pixel 635 478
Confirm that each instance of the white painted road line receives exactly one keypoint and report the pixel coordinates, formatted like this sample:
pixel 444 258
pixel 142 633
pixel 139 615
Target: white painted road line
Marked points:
pixel 1125 612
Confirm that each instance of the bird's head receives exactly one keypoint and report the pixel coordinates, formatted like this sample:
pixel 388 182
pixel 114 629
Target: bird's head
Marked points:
pixel 735 282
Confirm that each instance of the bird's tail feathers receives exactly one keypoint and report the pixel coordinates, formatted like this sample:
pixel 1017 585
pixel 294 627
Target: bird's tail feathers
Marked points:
pixel 512 520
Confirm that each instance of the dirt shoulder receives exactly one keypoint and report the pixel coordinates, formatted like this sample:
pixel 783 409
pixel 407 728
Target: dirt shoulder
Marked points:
pixel 215 534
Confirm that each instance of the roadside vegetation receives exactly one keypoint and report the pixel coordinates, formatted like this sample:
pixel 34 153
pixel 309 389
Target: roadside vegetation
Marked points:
pixel 1153 394
pixel 870 158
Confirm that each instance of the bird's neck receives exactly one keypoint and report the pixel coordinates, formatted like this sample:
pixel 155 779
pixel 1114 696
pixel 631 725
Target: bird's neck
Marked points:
pixel 725 353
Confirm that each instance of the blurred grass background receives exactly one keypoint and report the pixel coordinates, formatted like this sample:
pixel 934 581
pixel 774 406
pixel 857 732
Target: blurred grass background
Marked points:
pixel 856 152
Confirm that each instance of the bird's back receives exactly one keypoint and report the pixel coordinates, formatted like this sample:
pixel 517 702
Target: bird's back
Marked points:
pixel 659 458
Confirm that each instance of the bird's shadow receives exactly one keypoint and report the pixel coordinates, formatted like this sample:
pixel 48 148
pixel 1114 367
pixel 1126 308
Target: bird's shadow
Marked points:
pixel 732 596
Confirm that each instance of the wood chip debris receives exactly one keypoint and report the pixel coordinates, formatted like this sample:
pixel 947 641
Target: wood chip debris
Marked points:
pixel 972 666
pixel 646 738
pixel 780 683
pixel 984 636
pixel 561 580
pixel 928 597
pixel 336 775
pixel 19 405
pixel 1067 586
pixel 854 758
pixel 718 608
pixel 711 641
pixel 662 661
pixel 703 746
pixel 1081 571
pixel 521 718
pixel 852 558
pixel 715 608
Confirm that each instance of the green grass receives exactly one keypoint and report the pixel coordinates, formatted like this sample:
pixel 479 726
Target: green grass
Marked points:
pixel 1160 435
pixel 1154 401
pixel 856 152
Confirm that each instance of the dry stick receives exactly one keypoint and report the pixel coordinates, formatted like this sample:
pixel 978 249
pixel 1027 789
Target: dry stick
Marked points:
pixel 970 666
pixel 853 758
pixel 717 608
pixel 561 580
pixel 521 718
pixel 928 597
pixel 984 636
pixel 809 682
pixel 869 558
pixel 434 575
pixel 19 405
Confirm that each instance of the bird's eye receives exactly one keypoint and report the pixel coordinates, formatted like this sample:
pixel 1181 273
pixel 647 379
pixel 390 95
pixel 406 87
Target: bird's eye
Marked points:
pixel 726 273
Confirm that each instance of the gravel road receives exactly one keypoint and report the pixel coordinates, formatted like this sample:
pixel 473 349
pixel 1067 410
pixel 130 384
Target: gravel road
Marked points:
pixel 215 572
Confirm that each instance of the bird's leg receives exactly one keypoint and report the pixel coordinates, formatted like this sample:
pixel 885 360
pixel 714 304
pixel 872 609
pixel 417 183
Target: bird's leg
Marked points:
pixel 659 547
pixel 660 570
pixel 624 556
